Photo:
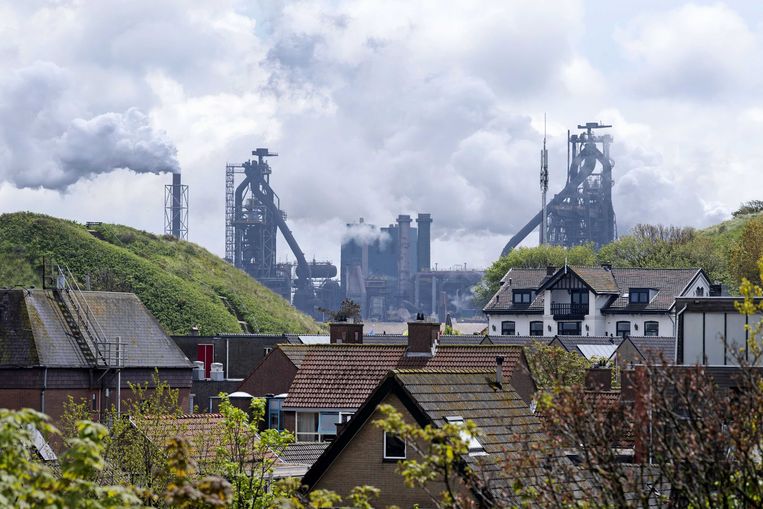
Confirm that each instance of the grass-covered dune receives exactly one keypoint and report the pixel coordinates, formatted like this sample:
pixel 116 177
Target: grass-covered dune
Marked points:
pixel 181 283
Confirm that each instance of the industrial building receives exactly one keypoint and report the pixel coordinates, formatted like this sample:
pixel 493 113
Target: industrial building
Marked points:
pixel 388 272
pixel 582 212
pixel 253 217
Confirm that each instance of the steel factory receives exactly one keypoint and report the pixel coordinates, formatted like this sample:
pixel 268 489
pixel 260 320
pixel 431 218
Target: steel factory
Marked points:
pixel 388 270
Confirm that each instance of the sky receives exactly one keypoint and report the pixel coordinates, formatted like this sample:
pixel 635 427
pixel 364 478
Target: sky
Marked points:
pixel 377 109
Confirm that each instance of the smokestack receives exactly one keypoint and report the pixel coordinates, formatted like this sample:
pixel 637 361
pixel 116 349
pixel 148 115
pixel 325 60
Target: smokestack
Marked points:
pixel 423 261
pixel 499 371
pixel 403 255
pixel 176 205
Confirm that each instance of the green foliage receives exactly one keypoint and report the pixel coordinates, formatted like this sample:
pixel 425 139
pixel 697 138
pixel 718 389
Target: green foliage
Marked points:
pixel 553 366
pixel 747 250
pixel 348 310
pixel 179 282
pixel 749 207
pixel 531 257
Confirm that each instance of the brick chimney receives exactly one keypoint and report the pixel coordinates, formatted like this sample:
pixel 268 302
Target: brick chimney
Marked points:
pixel 598 379
pixel 346 333
pixel 422 337
pixel 550 270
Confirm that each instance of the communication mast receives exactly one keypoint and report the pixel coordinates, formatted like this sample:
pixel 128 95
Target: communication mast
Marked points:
pixel 543 185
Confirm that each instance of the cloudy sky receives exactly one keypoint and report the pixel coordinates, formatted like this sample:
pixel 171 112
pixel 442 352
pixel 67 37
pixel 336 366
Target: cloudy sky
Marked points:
pixel 377 108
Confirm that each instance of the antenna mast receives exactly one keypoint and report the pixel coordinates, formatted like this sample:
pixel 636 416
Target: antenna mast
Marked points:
pixel 543 185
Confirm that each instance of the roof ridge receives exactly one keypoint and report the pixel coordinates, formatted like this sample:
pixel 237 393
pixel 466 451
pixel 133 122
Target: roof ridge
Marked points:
pixel 444 371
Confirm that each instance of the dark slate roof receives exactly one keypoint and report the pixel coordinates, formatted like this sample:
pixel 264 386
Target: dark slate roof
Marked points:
pixel 342 376
pixel 600 280
pixel 295 353
pixel 385 339
pixel 504 420
pixel 669 283
pixel 655 349
pixel 34 332
pixel 570 343
pixel 303 453
pixel 461 339
pixel 521 279
pixel 516 340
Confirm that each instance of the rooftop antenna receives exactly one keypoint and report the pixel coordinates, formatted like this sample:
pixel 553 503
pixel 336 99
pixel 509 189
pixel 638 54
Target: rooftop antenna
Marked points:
pixel 543 185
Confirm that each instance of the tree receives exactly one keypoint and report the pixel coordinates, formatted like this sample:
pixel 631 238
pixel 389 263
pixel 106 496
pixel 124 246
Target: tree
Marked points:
pixel 530 257
pixel 747 250
pixel 348 310
pixel 749 207
pixel 553 366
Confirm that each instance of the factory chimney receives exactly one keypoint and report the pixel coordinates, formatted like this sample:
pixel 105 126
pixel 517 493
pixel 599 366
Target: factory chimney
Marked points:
pixel 423 261
pixel 176 208
pixel 403 255
pixel 543 187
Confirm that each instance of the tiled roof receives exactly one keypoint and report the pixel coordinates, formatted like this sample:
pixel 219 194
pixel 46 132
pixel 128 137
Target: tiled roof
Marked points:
pixel 342 376
pixel 34 332
pixel 655 349
pixel 304 453
pixel 204 432
pixel 504 420
pixel 516 340
pixel 570 343
pixel 385 339
pixel 295 353
pixel 517 279
pixel 669 282
pixel 600 280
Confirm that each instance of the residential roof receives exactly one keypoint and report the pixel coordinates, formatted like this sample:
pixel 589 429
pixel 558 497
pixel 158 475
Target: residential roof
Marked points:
pixel 669 283
pixel 518 279
pixel 431 395
pixel 342 376
pixel 303 453
pixel 204 432
pixel 655 349
pixel 593 351
pixel 571 343
pixel 516 340
pixel 34 332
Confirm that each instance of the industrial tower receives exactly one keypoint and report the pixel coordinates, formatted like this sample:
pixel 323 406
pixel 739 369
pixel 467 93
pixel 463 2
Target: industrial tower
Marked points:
pixel 582 212
pixel 253 217
pixel 176 208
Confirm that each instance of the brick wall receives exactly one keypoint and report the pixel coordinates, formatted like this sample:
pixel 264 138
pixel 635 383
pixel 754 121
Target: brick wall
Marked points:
pixel 362 463
pixel 272 376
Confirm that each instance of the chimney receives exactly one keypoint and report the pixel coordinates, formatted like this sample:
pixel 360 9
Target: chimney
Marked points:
pixel 598 379
pixel 499 371
pixel 422 337
pixel 195 330
pixel 346 333
pixel 176 204
pixel 423 260
pixel 607 266
pixel 550 270
pixel 716 290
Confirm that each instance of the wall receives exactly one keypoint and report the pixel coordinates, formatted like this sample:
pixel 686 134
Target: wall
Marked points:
pixel 708 337
pixel 272 376
pixel 667 328
pixel 362 463
pixel 239 355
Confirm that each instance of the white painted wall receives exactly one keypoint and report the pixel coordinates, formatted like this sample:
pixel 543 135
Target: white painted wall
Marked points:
pixel 710 337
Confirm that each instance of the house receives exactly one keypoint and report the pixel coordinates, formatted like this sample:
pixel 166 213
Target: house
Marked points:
pixel 313 388
pixel 711 330
pixel 60 343
pixel 591 301
pixel 634 350
pixel 364 454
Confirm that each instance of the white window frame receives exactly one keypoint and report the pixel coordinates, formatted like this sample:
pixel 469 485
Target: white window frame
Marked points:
pixel 384 450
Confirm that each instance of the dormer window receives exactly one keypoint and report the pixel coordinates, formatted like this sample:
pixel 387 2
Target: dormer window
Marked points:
pixel 639 296
pixel 522 297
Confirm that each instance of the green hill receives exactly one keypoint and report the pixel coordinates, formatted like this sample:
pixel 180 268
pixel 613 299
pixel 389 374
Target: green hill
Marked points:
pixel 181 283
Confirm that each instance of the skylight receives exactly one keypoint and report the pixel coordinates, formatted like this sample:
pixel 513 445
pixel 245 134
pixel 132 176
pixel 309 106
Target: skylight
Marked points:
pixel 475 447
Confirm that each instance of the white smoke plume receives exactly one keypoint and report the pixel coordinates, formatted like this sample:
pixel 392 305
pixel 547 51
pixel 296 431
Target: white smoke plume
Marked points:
pixel 47 141
pixel 364 234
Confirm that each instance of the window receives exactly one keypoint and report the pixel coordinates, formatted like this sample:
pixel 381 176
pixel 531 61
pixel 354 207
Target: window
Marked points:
pixel 579 296
pixel 639 295
pixel 394 447
pixel 307 427
pixel 275 414
pixel 651 328
pixel 536 328
pixel 475 447
pixel 522 296
pixel 623 328
pixel 700 291
pixel 327 422
pixel 568 328
pixel 508 328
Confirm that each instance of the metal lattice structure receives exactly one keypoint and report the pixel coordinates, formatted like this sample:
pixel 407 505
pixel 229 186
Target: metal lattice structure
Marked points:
pixel 176 209
pixel 582 212
pixel 230 205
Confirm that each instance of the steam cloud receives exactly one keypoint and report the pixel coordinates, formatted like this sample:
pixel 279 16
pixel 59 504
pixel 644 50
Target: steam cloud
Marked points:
pixel 364 233
pixel 46 143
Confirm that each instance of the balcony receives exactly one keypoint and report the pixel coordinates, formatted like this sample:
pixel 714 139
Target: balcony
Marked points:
pixel 568 311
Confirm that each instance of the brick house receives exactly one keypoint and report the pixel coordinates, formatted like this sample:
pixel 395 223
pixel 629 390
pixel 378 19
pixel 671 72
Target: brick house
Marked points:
pixel 47 352
pixel 595 301
pixel 364 454
pixel 313 388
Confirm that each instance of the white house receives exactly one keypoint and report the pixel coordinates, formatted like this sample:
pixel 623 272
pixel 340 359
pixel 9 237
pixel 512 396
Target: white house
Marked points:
pixel 591 301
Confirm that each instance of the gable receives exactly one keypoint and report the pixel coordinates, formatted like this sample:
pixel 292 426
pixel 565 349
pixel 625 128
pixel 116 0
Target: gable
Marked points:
pixel 273 375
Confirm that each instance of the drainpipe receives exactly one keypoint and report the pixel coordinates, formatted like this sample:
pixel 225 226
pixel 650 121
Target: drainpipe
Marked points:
pixel 227 356
pixel 44 387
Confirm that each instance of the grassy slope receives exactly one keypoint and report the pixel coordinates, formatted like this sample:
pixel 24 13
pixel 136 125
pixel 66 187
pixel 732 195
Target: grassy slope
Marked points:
pixel 179 282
